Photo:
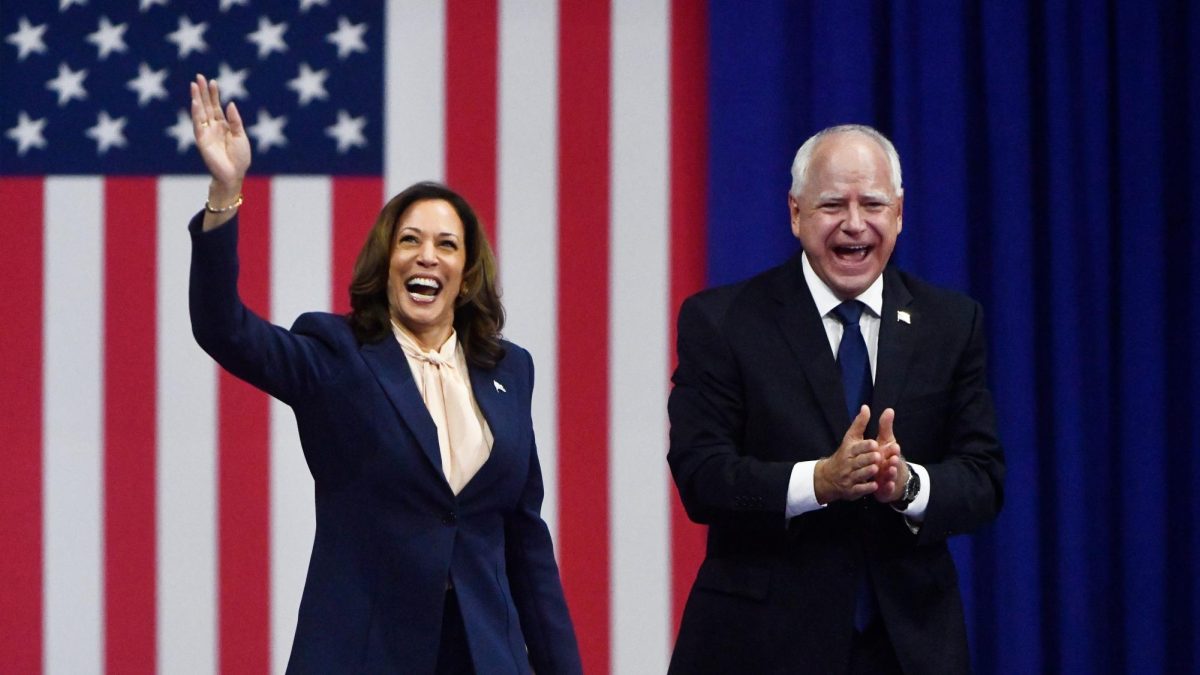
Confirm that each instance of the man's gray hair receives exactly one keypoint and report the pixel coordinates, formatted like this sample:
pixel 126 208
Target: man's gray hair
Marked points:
pixel 804 155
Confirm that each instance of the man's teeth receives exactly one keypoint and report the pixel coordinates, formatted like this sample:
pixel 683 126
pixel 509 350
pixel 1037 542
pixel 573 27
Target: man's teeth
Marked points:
pixel 856 251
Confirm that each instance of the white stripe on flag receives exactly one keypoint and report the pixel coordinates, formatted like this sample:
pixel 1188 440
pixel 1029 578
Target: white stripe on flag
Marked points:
pixel 187 450
pixel 301 243
pixel 639 296
pixel 73 426
pixel 415 74
pixel 527 207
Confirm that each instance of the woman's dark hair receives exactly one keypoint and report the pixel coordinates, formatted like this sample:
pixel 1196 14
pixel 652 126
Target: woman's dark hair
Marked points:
pixel 478 314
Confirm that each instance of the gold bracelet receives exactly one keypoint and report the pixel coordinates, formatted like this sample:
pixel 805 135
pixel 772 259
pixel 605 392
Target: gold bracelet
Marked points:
pixel 224 209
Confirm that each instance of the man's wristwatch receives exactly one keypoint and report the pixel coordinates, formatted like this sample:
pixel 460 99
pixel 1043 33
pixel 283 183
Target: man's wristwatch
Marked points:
pixel 911 488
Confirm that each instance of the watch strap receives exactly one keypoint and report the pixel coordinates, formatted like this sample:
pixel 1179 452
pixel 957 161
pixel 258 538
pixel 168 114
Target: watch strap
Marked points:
pixel 912 487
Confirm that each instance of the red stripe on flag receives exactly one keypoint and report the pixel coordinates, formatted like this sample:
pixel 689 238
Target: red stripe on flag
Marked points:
pixel 22 202
pixel 689 163
pixel 243 478
pixel 583 315
pixel 130 250
pixel 356 205
pixel 471 118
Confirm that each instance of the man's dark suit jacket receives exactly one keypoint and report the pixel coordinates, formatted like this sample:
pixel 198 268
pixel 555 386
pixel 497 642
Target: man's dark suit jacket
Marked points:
pixel 757 389
pixel 390 532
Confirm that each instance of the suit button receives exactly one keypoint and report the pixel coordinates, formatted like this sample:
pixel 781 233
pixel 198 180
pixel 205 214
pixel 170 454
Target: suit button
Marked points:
pixel 449 518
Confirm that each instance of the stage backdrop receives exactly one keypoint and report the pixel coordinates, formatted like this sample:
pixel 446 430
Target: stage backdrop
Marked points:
pixel 1050 154
pixel 156 514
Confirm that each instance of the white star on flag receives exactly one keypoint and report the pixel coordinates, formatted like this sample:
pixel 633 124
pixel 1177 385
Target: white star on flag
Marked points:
pixel 189 37
pixel 108 132
pixel 28 133
pixel 182 132
pixel 268 37
pixel 226 5
pixel 68 84
pixel 306 5
pixel 232 82
pixel 108 38
pixel 348 131
pixel 309 84
pixel 148 84
pixel 348 37
pixel 268 131
pixel 145 5
pixel 27 38
pixel 64 5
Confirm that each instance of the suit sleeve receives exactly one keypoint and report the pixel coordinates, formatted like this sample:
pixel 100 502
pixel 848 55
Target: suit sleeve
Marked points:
pixel 533 574
pixel 282 363
pixel 967 485
pixel 717 481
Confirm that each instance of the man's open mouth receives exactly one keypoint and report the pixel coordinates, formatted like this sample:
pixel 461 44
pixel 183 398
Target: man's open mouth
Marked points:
pixel 853 253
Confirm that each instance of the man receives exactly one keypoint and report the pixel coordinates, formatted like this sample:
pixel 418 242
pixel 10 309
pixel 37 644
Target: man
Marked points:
pixel 831 424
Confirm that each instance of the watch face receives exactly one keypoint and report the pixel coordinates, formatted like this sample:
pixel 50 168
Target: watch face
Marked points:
pixel 911 486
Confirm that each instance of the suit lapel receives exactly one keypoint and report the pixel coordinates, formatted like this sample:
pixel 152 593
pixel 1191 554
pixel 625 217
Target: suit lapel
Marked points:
pixel 499 404
pixel 805 333
pixel 895 343
pixel 387 362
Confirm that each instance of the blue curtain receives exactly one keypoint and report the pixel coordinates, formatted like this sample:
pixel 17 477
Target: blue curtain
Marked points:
pixel 1051 155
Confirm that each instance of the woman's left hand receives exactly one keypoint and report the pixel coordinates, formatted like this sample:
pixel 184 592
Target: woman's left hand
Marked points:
pixel 222 141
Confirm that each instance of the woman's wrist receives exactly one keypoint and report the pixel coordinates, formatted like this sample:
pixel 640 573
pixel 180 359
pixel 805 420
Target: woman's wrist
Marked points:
pixel 221 195
pixel 222 205
pixel 210 207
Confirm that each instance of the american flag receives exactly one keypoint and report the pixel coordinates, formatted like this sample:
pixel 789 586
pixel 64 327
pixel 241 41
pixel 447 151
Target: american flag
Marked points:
pixel 155 513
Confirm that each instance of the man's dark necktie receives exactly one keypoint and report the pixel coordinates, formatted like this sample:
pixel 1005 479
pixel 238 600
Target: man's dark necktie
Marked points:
pixel 856 379
pixel 852 357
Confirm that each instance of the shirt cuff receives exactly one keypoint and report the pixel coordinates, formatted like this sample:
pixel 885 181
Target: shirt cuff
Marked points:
pixel 802 494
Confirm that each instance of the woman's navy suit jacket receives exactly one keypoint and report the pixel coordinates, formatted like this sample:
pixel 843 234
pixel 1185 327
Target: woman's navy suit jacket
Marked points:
pixel 390 533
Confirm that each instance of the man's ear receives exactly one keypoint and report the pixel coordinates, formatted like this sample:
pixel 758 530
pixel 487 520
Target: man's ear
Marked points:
pixel 794 212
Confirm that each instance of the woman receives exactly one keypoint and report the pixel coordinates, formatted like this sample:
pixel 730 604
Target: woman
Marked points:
pixel 430 553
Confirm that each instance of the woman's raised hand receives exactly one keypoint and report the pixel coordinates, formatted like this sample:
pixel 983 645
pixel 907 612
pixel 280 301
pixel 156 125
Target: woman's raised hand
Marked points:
pixel 222 141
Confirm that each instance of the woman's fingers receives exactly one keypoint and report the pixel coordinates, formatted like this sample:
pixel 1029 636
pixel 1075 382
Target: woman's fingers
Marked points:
pixel 197 117
pixel 203 96
pixel 235 119
pixel 207 95
pixel 201 104
pixel 214 93
pixel 206 104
